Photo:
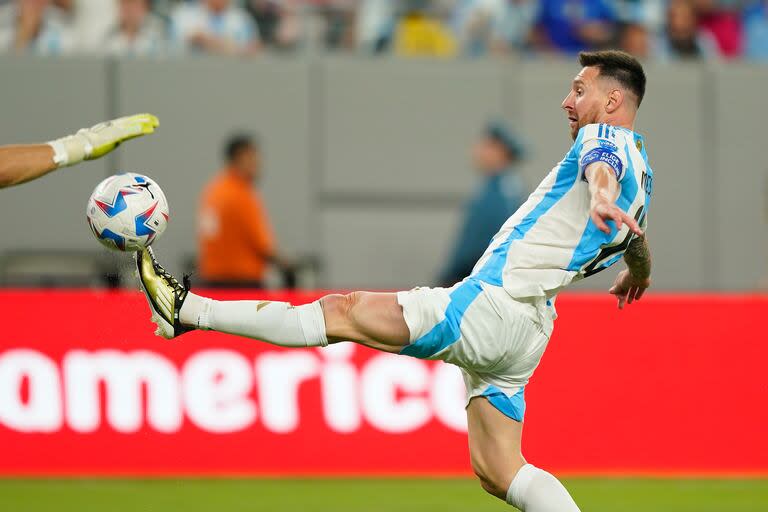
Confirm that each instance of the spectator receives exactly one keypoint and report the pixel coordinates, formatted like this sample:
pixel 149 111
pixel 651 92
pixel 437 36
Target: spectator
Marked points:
pixel 137 31
pixel 338 18
pixel 266 16
pixel 493 26
pixel 375 21
pixel 92 21
pixel 278 21
pixel 417 33
pixel 501 192
pixel 756 31
pixel 641 23
pixel 634 39
pixel 235 236
pixel 646 13
pixel 35 26
pixel 682 38
pixel 215 27
pixel 570 26
pixel 721 20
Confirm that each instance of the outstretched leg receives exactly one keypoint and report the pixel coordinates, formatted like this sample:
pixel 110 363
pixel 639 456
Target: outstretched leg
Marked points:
pixel 372 319
pixel 497 459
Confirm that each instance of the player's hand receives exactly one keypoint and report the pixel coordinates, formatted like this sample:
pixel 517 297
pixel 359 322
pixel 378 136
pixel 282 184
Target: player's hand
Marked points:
pixel 628 288
pixel 104 137
pixel 97 141
pixel 604 211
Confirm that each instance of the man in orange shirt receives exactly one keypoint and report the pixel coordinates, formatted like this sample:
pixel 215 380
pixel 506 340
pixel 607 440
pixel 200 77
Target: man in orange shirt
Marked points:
pixel 234 232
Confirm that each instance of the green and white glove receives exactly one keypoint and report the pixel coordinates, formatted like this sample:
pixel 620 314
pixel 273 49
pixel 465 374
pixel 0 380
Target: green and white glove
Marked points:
pixel 97 141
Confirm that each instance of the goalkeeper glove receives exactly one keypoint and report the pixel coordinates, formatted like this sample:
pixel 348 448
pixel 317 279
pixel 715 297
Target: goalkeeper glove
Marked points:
pixel 97 141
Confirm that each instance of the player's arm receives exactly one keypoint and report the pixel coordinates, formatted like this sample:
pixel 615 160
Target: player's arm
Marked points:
pixel 24 163
pixel 604 190
pixel 19 164
pixel 631 283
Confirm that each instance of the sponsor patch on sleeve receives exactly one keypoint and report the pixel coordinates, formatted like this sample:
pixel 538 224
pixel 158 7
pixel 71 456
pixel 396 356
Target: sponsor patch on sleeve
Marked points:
pixel 606 144
pixel 602 155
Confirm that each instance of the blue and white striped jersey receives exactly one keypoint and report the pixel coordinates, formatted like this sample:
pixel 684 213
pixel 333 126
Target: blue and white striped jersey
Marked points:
pixel 551 241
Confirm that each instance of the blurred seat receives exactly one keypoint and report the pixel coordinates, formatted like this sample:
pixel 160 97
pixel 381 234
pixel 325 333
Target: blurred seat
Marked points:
pixel 61 269
pixel 304 273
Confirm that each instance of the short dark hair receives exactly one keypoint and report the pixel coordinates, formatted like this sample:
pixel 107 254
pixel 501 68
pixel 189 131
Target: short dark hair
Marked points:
pixel 237 143
pixel 620 66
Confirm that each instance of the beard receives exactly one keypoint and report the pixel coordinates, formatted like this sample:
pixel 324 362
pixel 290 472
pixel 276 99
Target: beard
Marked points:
pixel 589 117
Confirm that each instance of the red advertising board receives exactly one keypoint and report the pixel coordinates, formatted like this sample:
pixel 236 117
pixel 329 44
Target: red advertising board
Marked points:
pixel 675 385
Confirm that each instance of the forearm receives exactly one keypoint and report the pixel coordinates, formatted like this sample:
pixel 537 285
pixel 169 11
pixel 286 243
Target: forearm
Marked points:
pixel 26 162
pixel 638 258
pixel 603 186
pixel 22 163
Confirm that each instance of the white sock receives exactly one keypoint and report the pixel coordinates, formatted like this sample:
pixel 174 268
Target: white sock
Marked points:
pixel 278 323
pixel 535 490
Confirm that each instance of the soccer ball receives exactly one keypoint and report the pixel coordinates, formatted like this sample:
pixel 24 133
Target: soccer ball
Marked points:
pixel 127 212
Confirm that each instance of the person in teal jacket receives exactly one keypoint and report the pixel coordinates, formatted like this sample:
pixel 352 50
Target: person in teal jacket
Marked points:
pixel 501 191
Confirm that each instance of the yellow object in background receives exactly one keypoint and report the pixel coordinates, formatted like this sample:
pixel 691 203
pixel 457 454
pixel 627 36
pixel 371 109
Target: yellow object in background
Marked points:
pixel 420 36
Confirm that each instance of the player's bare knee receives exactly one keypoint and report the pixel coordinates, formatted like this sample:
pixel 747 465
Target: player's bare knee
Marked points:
pixel 338 313
pixel 333 310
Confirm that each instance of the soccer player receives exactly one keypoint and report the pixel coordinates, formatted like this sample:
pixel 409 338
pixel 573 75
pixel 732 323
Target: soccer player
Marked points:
pixel 495 324
pixel 22 163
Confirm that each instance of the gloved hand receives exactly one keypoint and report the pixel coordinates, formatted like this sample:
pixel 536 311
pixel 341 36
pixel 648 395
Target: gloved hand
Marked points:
pixel 97 141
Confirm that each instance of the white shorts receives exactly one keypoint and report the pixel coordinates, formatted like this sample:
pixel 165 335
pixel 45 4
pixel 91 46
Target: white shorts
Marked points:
pixel 497 341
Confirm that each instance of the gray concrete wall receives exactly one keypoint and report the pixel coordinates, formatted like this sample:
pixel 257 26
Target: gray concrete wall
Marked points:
pixel 42 100
pixel 739 208
pixel 396 164
pixel 367 161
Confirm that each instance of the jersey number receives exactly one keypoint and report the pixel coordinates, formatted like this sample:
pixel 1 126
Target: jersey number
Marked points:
pixel 608 252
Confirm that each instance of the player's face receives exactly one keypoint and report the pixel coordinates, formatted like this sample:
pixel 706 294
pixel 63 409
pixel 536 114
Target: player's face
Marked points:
pixel 584 104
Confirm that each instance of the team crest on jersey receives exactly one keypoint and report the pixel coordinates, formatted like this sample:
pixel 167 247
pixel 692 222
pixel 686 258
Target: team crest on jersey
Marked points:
pixel 610 146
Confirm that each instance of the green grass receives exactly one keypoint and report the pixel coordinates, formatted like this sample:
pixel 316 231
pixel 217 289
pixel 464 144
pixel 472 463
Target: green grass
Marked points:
pixel 368 495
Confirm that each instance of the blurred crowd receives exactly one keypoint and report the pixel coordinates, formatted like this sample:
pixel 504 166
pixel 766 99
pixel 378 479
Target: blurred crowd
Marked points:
pixel 650 29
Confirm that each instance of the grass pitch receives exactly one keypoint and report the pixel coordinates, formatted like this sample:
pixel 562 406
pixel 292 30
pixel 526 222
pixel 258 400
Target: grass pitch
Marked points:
pixel 366 495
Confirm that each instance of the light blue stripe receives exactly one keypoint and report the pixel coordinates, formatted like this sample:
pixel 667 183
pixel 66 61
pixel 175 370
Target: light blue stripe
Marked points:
pixel 448 330
pixel 512 406
pixel 600 131
pixel 593 239
pixel 492 271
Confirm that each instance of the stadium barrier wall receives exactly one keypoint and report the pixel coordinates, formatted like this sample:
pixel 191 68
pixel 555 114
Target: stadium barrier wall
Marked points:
pixel 673 385
pixel 367 161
